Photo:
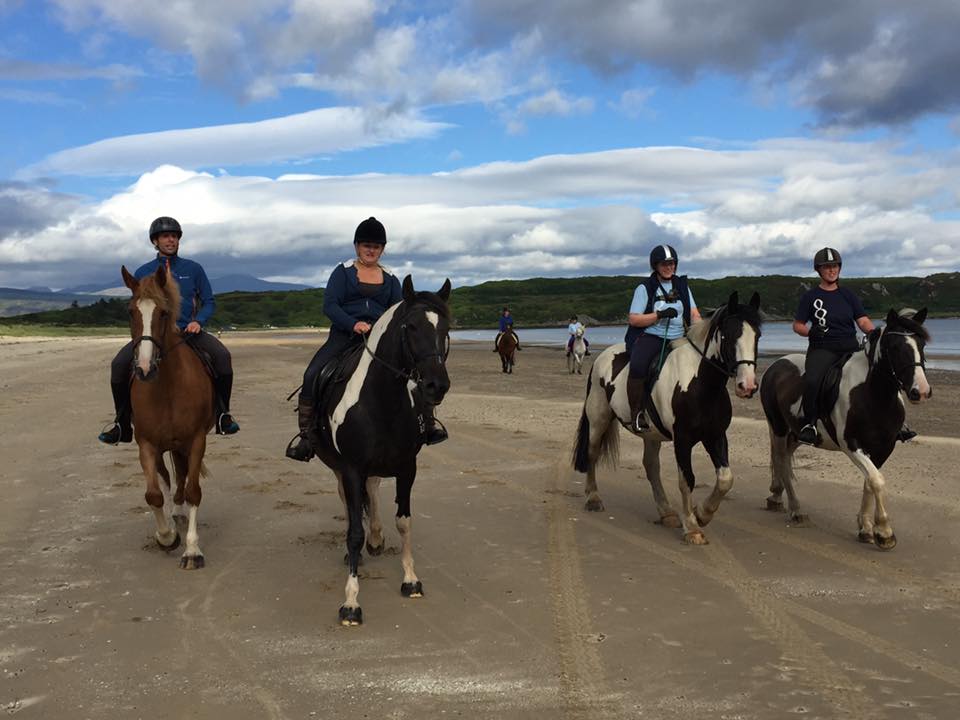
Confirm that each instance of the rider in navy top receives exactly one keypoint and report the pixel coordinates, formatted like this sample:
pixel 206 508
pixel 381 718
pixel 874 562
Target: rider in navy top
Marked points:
pixel 829 316
pixel 506 323
pixel 662 309
pixel 196 308
pixel 358 292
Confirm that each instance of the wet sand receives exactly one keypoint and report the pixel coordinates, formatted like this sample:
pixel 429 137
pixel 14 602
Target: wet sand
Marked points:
pixel 533 607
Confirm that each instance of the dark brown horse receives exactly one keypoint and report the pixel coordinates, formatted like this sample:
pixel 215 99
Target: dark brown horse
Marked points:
pixel 173 407
pixel 507 347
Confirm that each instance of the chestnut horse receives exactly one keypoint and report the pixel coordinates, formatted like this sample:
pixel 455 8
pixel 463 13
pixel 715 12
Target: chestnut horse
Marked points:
pixel 507 347
pixel 173 407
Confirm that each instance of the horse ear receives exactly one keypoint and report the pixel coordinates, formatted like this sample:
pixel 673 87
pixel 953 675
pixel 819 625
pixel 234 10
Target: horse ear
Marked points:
pixel 892 316
pixel 129 280
pixel 161 276
pixel 408 291
pixel 755 301
pixel 734 302
pixel 920 316
pixel 444 292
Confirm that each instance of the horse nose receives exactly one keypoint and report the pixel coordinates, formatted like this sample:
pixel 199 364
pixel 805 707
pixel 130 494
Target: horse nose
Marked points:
pixel 436 388
pixel 914 395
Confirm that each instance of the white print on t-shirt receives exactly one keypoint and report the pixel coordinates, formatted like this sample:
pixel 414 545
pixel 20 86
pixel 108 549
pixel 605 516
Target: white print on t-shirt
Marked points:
pixel 820 313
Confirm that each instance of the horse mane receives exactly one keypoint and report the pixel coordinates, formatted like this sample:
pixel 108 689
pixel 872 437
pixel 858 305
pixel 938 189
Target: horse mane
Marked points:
pixel 166 297
pixel 432 301
pixel 701 331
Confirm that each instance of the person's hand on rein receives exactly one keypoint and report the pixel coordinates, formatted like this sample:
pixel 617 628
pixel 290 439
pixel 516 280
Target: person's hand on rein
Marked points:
pixel 667 313
pixel 193 328
pixel 361 327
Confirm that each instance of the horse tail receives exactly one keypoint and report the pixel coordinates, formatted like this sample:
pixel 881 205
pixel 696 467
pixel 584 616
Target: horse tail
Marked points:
pixel 609 450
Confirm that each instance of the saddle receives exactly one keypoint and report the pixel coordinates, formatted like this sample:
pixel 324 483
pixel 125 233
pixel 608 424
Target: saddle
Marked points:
pixel 204 356
pixel 653 372
pixel 336 371
pixel 830 386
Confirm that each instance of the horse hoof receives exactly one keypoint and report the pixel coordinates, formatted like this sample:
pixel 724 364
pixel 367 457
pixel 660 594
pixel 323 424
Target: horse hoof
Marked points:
pixel 192 562
pixel 351 616
pixel 865 537
pixel 172 546
pixel 695 538
pixel 594 504
pixel 670 521
pixel 800 520
pixel 412 590
pixel 373 551
pixel 774 505
pixel 885 543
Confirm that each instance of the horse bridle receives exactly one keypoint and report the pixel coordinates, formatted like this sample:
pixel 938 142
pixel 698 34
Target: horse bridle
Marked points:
pixel 728 371
pixel 413 375
pixel 890 366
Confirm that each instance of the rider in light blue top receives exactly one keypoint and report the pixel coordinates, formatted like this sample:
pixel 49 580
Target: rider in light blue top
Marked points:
pixel 664 327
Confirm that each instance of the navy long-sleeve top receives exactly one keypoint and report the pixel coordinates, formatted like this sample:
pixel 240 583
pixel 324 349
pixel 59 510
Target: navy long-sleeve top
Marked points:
pixel 345 305
pixel 196 293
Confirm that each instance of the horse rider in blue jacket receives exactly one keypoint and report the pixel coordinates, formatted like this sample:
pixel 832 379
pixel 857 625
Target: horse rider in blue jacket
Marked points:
pixel 358 292
pixel 662 309
pixel 196 308
pixel 506 325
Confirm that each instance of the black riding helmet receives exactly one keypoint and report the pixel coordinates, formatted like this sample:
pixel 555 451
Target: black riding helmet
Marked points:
pixel 827 256
pixel 165 225
pixel 370 231
pixel 661 253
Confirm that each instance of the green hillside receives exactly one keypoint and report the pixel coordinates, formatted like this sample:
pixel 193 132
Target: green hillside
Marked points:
pixel 543 301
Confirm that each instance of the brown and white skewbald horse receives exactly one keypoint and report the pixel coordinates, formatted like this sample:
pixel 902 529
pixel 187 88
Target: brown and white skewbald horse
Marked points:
pixel 691 403
pixel 173 408
pixel 862 424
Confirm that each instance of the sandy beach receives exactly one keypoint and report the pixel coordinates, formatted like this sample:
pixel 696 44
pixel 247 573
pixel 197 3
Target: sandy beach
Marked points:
pixel 533 607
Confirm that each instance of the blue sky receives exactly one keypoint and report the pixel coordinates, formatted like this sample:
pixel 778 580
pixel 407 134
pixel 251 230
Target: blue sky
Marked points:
pixel 494 139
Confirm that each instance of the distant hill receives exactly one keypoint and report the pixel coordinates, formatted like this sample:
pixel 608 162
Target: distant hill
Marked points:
pixel 549 301
pixel 14 301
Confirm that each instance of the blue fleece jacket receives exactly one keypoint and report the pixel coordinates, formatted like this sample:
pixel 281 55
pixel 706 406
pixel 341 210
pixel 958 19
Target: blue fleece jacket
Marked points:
pixel 196 294
pixel 344 304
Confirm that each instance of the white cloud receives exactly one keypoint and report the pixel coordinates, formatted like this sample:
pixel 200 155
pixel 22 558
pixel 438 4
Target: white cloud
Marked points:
pixel 761 208
pixel 554 102
pixel 326 130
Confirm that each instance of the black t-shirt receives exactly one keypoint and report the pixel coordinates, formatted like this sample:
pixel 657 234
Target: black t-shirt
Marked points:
pixel 832 315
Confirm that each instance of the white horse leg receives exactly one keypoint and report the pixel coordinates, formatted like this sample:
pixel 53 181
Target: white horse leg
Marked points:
pixel 651 466
pixel 375 541
pixel 411 586
pixel 865 518
pixel 882 531
pixel 165 535
pixel 192 558
pixel 717 449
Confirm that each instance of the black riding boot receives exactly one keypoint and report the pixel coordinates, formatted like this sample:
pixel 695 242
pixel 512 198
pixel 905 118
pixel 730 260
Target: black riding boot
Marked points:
pixel 303 450
pixel 905 434
pixel 434 432
pixel 636 393
pixel 225 424
pixel 121 432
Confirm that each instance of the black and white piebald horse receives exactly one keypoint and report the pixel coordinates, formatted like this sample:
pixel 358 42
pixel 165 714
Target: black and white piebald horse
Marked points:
pixel 371 425
pixel 862 423
pixel 690 405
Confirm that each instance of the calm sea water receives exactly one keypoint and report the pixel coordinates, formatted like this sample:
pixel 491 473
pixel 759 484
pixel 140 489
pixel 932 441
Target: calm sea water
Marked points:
pixel 944 351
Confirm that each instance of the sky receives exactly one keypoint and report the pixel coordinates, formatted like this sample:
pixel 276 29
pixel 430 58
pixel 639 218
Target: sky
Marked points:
pixel 495 139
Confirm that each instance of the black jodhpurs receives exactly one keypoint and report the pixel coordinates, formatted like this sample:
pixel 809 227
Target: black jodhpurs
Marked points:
pixel 646 349
pixel 337 342
pixel 121 366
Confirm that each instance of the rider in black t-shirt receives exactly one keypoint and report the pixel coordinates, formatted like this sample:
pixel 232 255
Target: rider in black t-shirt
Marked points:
pixel 829 316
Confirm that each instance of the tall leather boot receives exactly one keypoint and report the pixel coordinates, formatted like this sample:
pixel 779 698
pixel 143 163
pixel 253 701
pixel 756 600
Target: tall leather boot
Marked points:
pixel 636 393
pixel 434 431
pixel 225 425
pixel 303 450
pixel 121 432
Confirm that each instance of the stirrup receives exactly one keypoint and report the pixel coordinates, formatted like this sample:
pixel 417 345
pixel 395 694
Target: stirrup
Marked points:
pixel 226 425
pixel 640 423
pixel 808 434
pixel 113 434
pixel 302 451
pixel 436 434
pixel 905 434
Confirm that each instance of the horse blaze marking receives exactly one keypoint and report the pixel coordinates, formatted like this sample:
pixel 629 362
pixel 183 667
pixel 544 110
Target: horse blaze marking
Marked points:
pixel 145 348
pixel 432 317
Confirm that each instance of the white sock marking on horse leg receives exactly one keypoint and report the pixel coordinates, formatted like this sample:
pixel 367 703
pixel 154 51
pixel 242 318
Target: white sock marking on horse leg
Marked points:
pixel 145 348
pixel 875 482
pixel 406 554
pixel 351 394
pixel 165 533
pixel 351 592
pixel 193 538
